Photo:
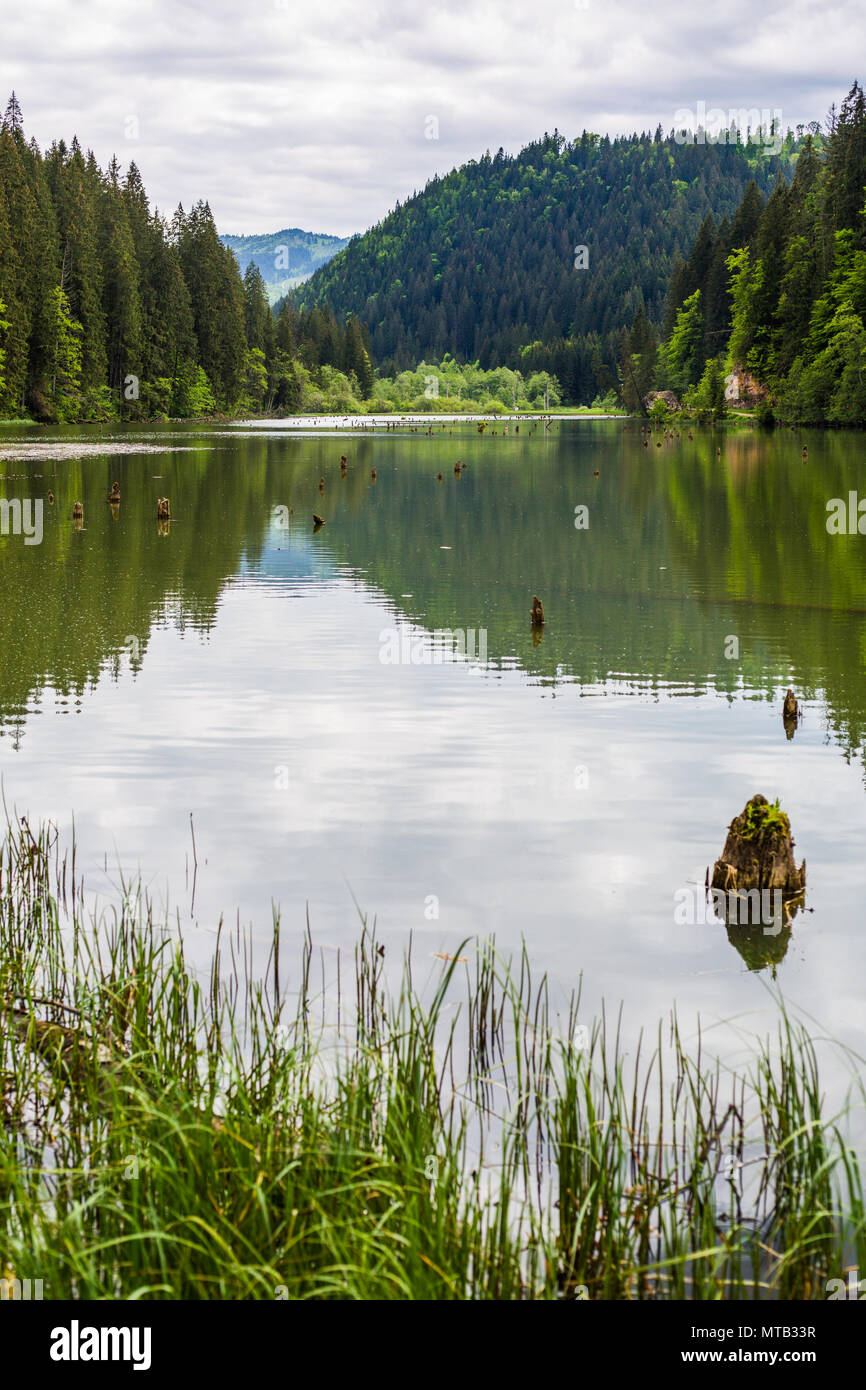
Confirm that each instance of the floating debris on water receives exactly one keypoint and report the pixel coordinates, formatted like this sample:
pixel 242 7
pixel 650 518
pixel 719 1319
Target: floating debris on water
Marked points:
pixel 81 448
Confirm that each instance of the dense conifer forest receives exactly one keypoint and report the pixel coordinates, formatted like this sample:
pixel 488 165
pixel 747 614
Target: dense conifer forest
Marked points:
pixel 108 309
pixel 780 292
pixel 484 263
pixel 587 271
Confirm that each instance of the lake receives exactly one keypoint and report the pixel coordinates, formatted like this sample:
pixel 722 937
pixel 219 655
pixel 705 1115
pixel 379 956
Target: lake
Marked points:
pixel 297 693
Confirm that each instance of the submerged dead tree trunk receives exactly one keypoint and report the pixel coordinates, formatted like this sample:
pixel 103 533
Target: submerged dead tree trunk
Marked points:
pixel 759 852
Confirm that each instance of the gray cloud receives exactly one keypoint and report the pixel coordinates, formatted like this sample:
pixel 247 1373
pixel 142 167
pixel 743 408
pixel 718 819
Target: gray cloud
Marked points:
pixel 284 114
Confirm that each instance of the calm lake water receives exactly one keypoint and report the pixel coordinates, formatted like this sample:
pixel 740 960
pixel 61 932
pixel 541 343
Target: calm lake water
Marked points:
pixel 237 666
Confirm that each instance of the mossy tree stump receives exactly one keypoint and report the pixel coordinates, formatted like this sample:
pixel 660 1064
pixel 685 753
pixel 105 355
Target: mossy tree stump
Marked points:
pixel 759 852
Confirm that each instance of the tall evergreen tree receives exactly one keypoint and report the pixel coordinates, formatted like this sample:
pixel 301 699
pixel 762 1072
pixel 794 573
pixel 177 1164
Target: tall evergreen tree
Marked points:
pixel 121 275
pixel 747 217
pixel 356 359
pixel 258 319
pixel 846 160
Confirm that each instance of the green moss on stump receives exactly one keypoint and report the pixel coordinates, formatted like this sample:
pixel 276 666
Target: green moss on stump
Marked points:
pixel 759 852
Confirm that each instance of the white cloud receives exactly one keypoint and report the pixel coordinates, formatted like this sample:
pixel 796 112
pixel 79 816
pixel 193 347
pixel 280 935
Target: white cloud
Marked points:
pixel 283 114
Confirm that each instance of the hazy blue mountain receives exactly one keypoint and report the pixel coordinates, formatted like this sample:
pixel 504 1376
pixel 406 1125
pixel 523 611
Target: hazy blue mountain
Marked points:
pixel 285 258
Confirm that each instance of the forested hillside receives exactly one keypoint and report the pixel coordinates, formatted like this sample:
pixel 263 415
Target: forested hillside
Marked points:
pixel 285 258
pixel 483 263
pixel 108 309
pixel 781 293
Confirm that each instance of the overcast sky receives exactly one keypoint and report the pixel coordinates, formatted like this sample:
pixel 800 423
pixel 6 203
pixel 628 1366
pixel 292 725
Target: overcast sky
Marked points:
pixel 320 115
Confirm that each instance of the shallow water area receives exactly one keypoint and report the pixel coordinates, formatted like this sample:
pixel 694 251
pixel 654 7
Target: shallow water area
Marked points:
pixel 361 718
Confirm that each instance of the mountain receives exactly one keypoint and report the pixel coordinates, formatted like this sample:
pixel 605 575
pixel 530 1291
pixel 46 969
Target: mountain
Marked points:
pixel 539 259
pixel 793 272
pixel 285 258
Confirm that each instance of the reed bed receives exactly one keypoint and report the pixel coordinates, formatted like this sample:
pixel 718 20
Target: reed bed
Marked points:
pixel 243 1134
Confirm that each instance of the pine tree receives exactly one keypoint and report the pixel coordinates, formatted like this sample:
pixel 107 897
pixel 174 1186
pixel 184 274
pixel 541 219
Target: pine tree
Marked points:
pixel 681 361
pixel 216 297
pixel 17 216
pixel 77 191
pixel 638 353
pixel 121 302
pixel 746 278
pixel 258 319
pixel 846 160
pixel 44 275
pixel 677 291
pixel 66 357
pixel 12 117
pixel 717 303
pixel 168 333
pixel 4 329
pixel 770 244
pixel 701 259
pixel 747 217
pixel 356 359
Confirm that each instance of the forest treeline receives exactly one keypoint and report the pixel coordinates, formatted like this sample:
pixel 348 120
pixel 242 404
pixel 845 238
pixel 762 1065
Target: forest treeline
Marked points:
pixel 109 310
pixel 780 291
pixel 574 272
pixel 537 261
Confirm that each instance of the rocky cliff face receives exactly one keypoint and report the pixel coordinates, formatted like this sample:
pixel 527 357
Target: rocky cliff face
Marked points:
pixel 742 388
pixel 668 397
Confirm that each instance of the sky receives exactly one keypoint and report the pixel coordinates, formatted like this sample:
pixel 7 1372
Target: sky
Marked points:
pixel 322 115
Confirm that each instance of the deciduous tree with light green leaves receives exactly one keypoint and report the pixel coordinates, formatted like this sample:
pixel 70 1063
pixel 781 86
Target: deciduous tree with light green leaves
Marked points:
pixel 193 394
pixel 708 397
pixel 256 384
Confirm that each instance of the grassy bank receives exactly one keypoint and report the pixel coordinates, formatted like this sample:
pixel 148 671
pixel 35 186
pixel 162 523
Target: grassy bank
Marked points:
pixel 168 1133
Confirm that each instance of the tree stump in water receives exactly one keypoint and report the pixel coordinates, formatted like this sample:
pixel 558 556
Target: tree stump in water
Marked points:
pixel 759 852
pixel 791 715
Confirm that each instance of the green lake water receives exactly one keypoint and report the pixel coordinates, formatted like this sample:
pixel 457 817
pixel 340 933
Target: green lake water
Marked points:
pixel 237 666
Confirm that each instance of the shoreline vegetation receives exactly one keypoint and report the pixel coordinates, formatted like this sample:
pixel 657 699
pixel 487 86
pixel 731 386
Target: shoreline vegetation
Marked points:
pixel 344 1131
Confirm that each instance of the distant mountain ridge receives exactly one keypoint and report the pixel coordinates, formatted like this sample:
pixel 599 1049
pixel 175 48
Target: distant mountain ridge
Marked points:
pixel 286 258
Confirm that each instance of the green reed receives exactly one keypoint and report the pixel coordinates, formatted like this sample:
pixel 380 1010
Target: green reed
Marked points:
pixel 246 1133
